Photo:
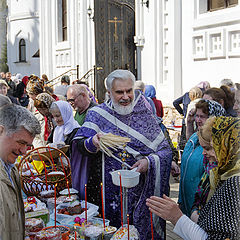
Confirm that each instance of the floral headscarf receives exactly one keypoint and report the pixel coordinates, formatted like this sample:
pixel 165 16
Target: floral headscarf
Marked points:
pixel 226 143
pixel 34 85
pixel 46 99
pixel 215 108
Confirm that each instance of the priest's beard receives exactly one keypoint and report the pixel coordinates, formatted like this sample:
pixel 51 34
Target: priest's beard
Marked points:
pixel 122 110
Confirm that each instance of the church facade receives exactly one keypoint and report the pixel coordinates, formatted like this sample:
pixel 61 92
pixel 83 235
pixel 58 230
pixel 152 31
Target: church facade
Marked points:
pixel 210 41
pixel 23 36
pixel 172 45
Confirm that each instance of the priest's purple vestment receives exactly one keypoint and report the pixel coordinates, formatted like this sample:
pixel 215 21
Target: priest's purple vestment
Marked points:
pixel 147 141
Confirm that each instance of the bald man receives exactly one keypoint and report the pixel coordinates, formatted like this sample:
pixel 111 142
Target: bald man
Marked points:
pixel 78 97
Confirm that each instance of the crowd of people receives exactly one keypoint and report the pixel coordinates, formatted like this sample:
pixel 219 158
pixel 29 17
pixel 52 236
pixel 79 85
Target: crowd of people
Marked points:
pixel 34 114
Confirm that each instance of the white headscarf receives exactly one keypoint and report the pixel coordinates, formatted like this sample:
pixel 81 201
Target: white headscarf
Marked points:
pixel 70 123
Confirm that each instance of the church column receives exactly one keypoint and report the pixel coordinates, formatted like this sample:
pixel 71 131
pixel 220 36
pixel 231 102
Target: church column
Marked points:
pixel 3 35
pixel 139 38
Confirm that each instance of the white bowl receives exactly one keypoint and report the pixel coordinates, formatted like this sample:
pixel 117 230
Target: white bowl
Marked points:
pixel 129 178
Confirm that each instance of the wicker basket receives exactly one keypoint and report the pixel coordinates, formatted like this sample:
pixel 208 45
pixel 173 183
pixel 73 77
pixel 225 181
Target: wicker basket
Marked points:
pixel 35 183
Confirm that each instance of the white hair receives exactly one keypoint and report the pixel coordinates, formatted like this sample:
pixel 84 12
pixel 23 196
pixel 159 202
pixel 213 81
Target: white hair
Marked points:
pixel 227 82
pixel 119 74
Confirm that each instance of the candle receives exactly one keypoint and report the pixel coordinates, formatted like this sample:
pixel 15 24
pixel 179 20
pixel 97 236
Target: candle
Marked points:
pixel 151 225
pixel 68 190
pixel 120 179
pixel 102 206
pixel 128 227
pixel 55 204
pixel 86 203
pixel 52 158
pixel 45 174
pixel 60 155
pixel 75 235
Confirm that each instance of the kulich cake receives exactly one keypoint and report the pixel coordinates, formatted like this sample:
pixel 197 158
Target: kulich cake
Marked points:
pixel 52 233
pixel 47 193
pixel 34 224
pixel 122 233
pixel 71 210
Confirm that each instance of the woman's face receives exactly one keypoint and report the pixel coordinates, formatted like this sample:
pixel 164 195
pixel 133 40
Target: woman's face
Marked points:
pixel 44 111
pixel 200 117
pixel 208 151
pixel 57 117
pixel 236 106
pixel 3 90
pixel 32 96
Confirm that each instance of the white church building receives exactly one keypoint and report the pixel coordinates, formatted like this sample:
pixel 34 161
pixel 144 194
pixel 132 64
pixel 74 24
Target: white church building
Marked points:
pixel 23 37
pixel 178 43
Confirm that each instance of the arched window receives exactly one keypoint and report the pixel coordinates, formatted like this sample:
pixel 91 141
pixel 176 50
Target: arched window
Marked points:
pixel 22 50
pixel 64 20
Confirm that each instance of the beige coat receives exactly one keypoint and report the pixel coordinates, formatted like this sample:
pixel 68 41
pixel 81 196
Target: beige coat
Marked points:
pixel 12 218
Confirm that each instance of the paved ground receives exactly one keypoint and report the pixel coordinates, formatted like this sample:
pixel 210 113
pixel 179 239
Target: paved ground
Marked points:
pixel 174 185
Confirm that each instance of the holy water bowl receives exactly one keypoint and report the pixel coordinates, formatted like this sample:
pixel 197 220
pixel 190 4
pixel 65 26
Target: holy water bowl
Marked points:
pixel 129 178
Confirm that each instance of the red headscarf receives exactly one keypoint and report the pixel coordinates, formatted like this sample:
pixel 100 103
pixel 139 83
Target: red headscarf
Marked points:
pixel 25 80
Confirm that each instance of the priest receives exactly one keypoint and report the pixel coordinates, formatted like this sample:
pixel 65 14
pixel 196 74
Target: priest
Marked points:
pixel 126 113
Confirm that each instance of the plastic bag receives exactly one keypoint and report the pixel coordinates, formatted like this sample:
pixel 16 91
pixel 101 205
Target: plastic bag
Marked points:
pixel 32 204
pixel 64 218
pixel 93 231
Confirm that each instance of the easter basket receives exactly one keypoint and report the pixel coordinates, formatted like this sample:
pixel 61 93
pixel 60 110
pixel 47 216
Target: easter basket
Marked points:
pixel 43 169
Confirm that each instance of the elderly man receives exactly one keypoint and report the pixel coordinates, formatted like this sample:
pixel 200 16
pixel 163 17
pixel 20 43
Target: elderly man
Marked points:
pixel 78 97
pixel 124 114
pixel 17 130
pixel 12 86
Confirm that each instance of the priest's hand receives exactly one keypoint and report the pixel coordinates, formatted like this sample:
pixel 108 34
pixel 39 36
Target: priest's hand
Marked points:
pixel 142 165
pixel 96 139
pixel 191 116
pixel 165 208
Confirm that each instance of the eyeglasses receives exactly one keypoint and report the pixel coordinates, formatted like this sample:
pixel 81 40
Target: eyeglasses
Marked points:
pixel 72 100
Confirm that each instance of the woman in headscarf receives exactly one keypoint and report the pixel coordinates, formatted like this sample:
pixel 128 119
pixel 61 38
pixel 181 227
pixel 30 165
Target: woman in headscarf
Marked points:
pixel 43 102
pixel 35 87
pixel 220 217
pixel 209 162
pixel 224 96
pixel 192 158
pixel 21 93
pixel 150 91
pixel 67 126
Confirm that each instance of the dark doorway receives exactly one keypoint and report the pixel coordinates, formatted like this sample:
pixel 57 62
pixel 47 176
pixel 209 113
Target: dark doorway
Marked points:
pixel 114 33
